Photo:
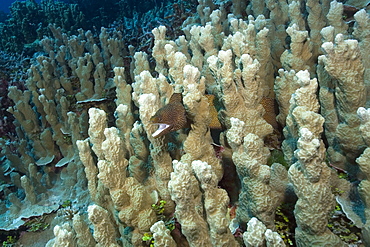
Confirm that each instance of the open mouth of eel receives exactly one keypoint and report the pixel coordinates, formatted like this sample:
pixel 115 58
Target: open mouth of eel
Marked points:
pixel 162 129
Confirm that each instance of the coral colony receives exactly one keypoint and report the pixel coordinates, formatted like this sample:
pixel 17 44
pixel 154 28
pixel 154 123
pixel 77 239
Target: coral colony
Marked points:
pixel 184 123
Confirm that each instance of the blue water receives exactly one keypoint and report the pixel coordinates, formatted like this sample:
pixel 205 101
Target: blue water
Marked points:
pixel 5 4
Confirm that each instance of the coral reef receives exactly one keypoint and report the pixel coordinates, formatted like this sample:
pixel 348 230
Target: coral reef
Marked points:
pixel 13 72
pixel 85 126
pixel 29 22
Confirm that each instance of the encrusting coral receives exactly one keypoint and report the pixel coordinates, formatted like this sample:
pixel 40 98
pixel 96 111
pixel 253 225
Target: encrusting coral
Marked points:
pixel 87 125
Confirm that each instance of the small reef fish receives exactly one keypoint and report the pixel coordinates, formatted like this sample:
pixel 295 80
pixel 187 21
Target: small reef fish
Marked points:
pixel 172 116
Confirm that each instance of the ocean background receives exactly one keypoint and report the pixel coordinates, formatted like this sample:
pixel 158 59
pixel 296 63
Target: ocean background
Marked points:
pixel 5 4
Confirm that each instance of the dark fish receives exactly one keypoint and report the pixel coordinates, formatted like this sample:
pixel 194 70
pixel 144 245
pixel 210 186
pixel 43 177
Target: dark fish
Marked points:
pixel 172 116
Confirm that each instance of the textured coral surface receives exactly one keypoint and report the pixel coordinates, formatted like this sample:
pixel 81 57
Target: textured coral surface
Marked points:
pixel 263 106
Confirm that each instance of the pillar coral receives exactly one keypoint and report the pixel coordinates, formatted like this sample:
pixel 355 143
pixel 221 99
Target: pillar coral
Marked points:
pixel 251 37
pixel 158 51
pixel 303 100
pixel 124 115
pixel 104 228
pixel 91 171
pixel 185 191
pixel 215 204
pixel 311 178
pixel 363 161
pixel 161 235
pixel 309 175
pixel 140 153
pixel 285 85
pixel 204 42
pixel 258 235
pixel 176 61
pixel 139 64
pixel 201 207
pixel 83 235
pixel 97 125
pixel 29 124
pixel 150 94
pixel 335 18
pixel 135 147
pixel 204 8
pixel 316 20
pixel 64 236
pixel 341 98
pixel 361 33
pixel 127 195
pixel 43 141
pixel 242 73
pixel 299 56
pixel 235 91
pixel 50 93
pixel 197 145
pixel 295 15
pixel 263 187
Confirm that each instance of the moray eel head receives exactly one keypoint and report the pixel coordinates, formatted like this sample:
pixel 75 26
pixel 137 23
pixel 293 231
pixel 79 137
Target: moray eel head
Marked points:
pixel 171 117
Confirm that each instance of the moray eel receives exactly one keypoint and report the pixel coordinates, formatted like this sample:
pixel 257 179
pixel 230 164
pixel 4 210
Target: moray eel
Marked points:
pixel 172 116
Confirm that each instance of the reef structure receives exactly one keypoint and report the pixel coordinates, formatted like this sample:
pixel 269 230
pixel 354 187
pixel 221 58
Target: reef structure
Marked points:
pixel 86 132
